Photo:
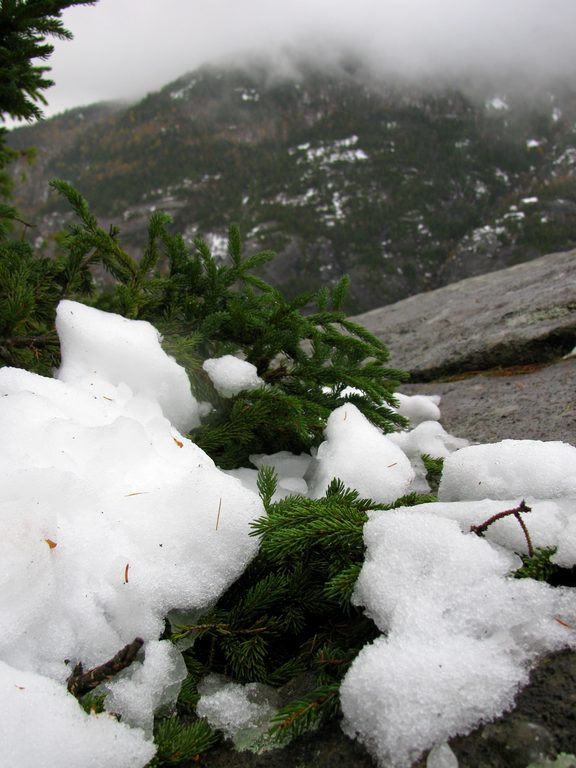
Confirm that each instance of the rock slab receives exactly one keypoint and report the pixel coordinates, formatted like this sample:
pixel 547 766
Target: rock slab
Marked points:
pixel 522 314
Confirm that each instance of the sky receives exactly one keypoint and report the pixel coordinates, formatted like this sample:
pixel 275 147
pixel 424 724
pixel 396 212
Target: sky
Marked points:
pixel 123 49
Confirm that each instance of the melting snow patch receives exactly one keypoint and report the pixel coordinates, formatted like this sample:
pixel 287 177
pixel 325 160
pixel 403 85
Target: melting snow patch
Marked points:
pixel 498 104
pixel 109 517
pixel 460 634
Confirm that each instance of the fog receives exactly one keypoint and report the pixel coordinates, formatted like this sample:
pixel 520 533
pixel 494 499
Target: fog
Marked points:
pixel 125 48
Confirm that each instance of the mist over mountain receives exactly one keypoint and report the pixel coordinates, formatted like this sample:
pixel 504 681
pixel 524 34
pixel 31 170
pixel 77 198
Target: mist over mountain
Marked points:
pixel 404 186
pixel 529 41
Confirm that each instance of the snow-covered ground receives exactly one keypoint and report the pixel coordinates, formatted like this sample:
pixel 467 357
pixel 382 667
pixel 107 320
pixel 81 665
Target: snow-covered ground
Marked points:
pixel 111 518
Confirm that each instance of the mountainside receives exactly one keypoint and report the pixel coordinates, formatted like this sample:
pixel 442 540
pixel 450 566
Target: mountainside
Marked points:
pixel 404 189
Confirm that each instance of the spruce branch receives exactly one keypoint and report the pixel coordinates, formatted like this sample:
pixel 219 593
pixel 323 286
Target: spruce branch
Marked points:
pixel 177 742
pixel 308 712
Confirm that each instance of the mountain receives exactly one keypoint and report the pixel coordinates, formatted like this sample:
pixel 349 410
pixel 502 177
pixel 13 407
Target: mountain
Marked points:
pixel 404 188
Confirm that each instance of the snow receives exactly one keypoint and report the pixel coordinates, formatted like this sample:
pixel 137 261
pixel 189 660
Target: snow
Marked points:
pixel 498 104
pixel 102 347
pixel 460 634
pixel 418 408
pixel 545 470
pixel 359 454
pixel 42 725
pixel 113 520
pixel 328 153
pixel 230 375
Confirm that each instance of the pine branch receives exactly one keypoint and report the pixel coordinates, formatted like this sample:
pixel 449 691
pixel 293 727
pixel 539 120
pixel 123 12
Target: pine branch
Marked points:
pixel 177 742
pixel 309 712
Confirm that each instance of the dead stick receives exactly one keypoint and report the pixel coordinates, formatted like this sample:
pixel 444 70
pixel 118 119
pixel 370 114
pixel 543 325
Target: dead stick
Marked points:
pixel 522 507
pixel 80 682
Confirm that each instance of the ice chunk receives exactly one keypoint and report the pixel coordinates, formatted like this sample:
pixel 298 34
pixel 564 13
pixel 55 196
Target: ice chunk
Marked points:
pixel 230 375
pixel 359 454
pixel 241 712
pixel 144 687
pixel 103 347
pixel 42 724
pixel 542 470
pixel 442 756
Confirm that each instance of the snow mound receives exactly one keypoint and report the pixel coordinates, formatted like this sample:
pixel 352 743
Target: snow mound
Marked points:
pixel 418 408
pixel 111 519
pixel 359 454
pixel 543 470
pixel 101 346
pixel 460 634
pixel 63 734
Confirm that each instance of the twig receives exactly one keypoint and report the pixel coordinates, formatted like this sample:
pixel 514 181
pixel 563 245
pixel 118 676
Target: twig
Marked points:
pixel 522 507
pixel 80 682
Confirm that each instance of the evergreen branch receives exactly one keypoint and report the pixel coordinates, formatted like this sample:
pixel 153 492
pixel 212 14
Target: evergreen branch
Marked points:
pixel 177 742
pixel 307 713
pixel 267 483
pixel 341 586
pixel 223 630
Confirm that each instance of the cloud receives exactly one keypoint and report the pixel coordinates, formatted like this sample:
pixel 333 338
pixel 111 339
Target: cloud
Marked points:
pixel 125 48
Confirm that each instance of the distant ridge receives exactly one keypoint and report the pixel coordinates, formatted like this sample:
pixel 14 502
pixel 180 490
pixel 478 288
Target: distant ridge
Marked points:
pixel 404 189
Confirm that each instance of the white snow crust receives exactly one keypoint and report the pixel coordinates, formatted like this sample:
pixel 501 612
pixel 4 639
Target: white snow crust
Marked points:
pixel 460 634
pixel 544 470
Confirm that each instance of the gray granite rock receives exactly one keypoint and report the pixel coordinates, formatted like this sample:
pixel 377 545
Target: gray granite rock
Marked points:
pixel 522 314
pixel 535 402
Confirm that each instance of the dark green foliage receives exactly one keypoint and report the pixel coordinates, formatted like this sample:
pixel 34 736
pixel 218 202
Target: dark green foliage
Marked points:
pixel 24 27
pixel 178 742
pixel 434 468
pixel 309 712
pixel 539 566
pixel 29 291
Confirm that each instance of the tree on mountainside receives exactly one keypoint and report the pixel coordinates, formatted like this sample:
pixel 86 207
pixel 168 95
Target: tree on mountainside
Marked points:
pixel 29 286
pixel 24 27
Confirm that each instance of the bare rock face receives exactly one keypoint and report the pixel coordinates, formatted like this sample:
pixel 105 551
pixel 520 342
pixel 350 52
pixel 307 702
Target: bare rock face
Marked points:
pixel 523 314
